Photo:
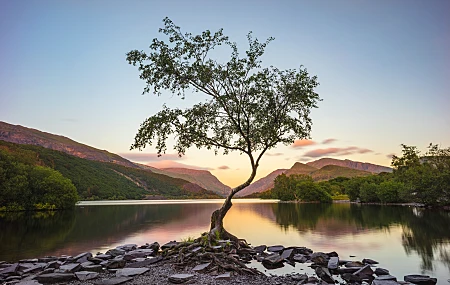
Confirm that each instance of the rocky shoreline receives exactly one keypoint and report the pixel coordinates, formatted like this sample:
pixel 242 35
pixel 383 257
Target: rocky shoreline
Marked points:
pixel 193 262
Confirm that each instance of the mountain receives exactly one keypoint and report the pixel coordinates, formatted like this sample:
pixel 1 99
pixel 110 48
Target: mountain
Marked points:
pixel 327 172
pixel 262 184
pixel 373 168
pixel 22 135
pixel 104 180
pixel 203 178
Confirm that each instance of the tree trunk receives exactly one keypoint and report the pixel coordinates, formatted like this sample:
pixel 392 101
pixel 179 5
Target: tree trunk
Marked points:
pixel 217 231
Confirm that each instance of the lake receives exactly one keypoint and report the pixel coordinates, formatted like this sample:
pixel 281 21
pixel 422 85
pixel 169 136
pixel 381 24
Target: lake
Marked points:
pixel 403 239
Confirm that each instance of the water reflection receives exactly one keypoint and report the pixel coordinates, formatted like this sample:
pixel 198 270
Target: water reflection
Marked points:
pixel 404 239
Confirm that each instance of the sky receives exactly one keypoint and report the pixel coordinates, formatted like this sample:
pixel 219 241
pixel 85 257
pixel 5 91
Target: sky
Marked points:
pixel 383 68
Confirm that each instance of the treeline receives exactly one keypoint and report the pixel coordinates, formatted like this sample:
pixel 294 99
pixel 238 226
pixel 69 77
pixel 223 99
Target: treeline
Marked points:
pixel 416 178
pixel 32 187
pixel 92 180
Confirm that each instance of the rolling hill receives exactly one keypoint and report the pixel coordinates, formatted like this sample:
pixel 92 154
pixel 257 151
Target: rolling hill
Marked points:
pixel 349 164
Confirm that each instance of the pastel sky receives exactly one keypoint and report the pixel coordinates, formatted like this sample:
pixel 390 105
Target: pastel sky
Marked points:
pixel 383 68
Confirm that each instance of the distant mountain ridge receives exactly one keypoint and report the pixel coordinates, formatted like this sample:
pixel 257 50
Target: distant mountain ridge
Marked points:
pixel 365 166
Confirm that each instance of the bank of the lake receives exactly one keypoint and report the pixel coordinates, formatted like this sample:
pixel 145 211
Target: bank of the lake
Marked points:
pixel 405 240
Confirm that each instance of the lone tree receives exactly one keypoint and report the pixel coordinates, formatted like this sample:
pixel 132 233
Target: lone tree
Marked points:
pixel 250 109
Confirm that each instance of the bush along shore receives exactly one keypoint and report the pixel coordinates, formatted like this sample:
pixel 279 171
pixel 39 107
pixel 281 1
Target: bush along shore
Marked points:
pixel 196 262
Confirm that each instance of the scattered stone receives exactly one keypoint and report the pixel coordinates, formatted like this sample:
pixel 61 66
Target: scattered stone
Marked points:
pixel 333 263
pixel 287 253
pixel 30 260
pixel 260 248
pixel 137 253
pixel 114 252
pixel 144 263
pixel 354 264
pixel 128 272
pixel 113 281
pixel 366 270
pixel 71 267
pixel 386 277
pixel 101 257
pixel 201 267
pixel 55 277
pixel 319 258
pixel 82 257
pixel 351 278
pixel 343 270
pixel 93 268
pixel 369 261
pixel 10 270
pixel 127 247
pixel 275 248
pixel 381 271
pixel 28 282
pixel 225 276
pixel 273 259
pixel 114 264
pixel 180 278
pixel 384 282
pixel 86 275
pixel 170 244
pixel 47 259
pixel 324 274
pixel 53 264
pixel 303 250
pixel 333 254
pixel 420 279
pixel 33 269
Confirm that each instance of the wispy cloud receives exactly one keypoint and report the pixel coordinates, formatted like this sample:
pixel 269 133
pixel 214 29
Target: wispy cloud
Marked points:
pixel 336 151
pixel 303 143
pixel 274 154
pixel 223 167
pixel 173 164
pixel 328 141
pixel 146 157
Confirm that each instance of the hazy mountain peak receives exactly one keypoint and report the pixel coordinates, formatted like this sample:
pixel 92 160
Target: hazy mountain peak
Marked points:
pixel 365 166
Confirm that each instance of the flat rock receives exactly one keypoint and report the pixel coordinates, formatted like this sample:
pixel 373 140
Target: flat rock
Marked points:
pixel 302 278
pixel 28 282
pixel 273 259
pixel 128 272
pixel 260 248
pixel 303 250
pixel 225 276
pixel 381 271
pixel 287 253
pixel 333 263
pixel 324 274
pixel 384 282
pixel 137 253
pixel 197 249
pixel 170 244
pixel 86 275
pixel 180 278
pixel 113 281
pixel 55 277
pixel 367 270
pixel 144 263
pixel 343 270
pixel 299 258
pixel 10 270
pixel 319 258
pixel 114 252
pixel 127 247
pixel 102 257
pixel 47 259
pixel 369 261
pixel 201 267
pixel 82 257
pixel 420 279
pixel 386 277
pixel 354 264
pixel 350 278
pixel 275 248
pixel 71 267
pixel 114 264
pixel 33 269
pixel 93 268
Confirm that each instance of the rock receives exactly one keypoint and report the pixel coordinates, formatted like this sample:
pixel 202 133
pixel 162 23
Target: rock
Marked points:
pixel 47 259
pixel 71 267
pixel 384 282
pixel 82 257
pixel 55 277
pixel 367 270
pixel 319 258
pixel 302 250
pixel 381 271
pixel 170 244
pixel 420 279
pixel 54 264
pixel 113 264
pixel 343 270
pixel 333 263
pixel 33 269
pixel 144 263
pixel 333 254
pixel 225 276
pixel 13 278
pixel 10 270
pixel 201 267
pixel 28 282
pixel 324 274
pixel 180 278
pixel 128 272
pixel 260 248
pixel 287 253
pixel 275 248
pixel 101 257
pixel 299 258
pixel 301 278
pixel 354 264
pixel 30 260
pixel 273 259
pixel 86 275
pixel 369 261
pixel 114 252
pixel 350 278
pixel 127 247
pixel 386 277
pixel 154 246
pixel 197 249
pixel 137 253
pixel 93 268
pixel 114 281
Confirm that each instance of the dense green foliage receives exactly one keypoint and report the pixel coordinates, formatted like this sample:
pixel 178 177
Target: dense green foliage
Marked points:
pixel 422 179
pixel 299 187
pixel 32 187
pixel 93 180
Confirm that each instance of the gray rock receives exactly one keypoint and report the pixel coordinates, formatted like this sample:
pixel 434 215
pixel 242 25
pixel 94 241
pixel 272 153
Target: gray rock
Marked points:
pixel 33 269
pixel 420 279
pixel 10 270
pixel 319 258
pixel 102 257
pixel 275 248
pixel 127 247
pixel 28 282
pixel 86 275
pixel 343 270
pixel 114 252
pixel 93 268
pixel 260 248
pixel 324 274
pixel 137 253
pixel 55 277
pixel 144 263
pixel 386 277
pixel 30 260
pixel 47 259
pixel 114 264
pixel 301 278
pixel 113 281
pixel 273 259
pixel 128 272
pixel 54 264
pixel 299 258
pixel 197 249
pixel 170 244
pixel 13 278
pixel 287 253
pixel 180 278
pixel 369 261
pixel 201 267
pixel 71 267
pixel 225 276
pixel 381 271
pixel 333 263
pixel 367 270
pixel 384 282
pixel 354 264
pixel 82 257
pixel 350 278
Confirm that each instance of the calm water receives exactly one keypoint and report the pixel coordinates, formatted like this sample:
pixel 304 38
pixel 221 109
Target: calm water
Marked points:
pixel 404 240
